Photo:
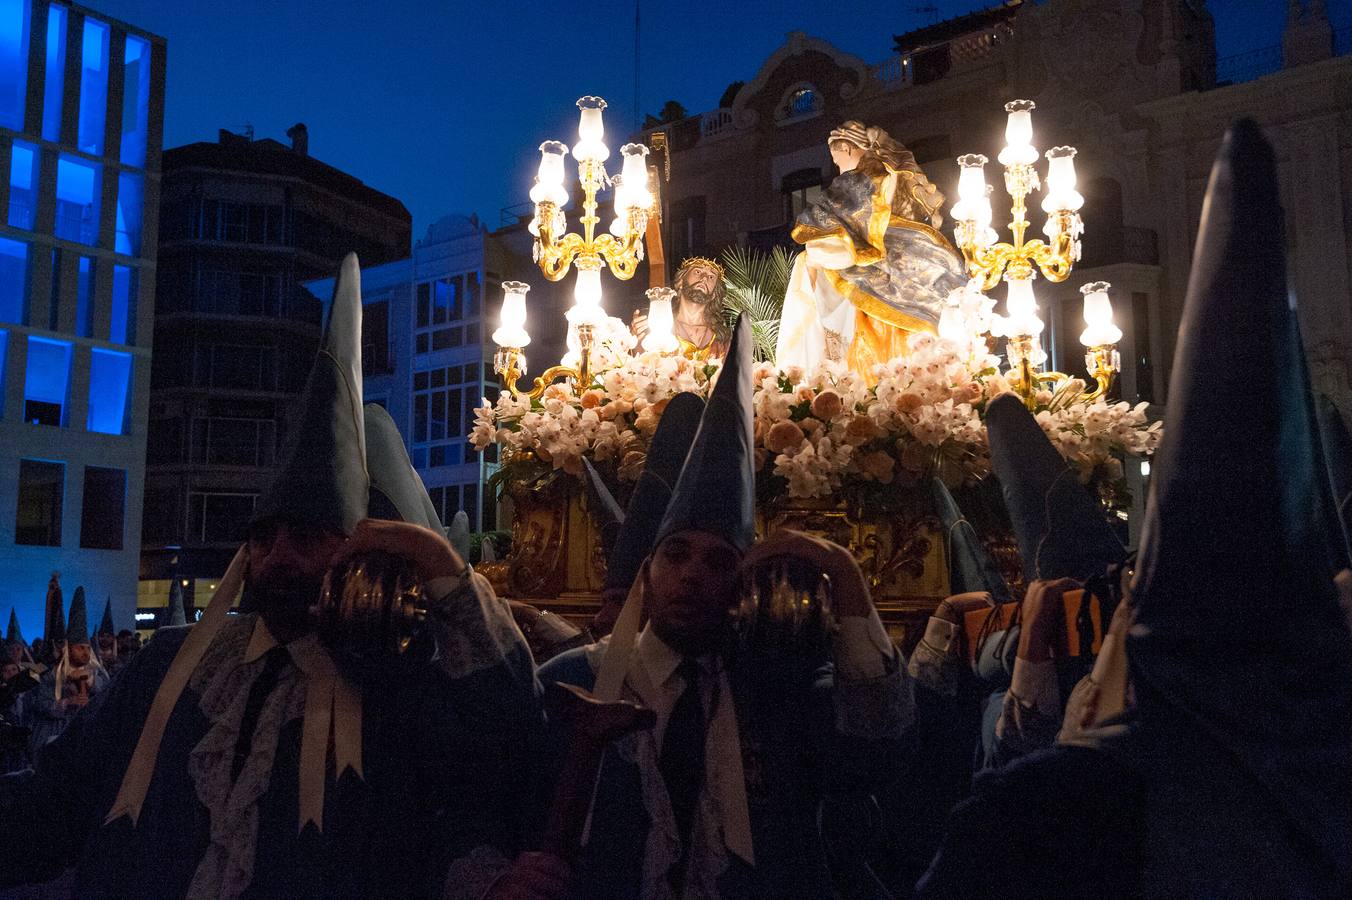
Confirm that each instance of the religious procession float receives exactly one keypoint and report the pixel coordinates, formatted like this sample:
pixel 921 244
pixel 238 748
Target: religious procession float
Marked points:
pixel 878 347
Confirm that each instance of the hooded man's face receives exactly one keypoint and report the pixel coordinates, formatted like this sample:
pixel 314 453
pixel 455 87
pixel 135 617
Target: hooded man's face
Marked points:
pixel 15 654
pixel 79 654
pixel 691 582
pixel 287 564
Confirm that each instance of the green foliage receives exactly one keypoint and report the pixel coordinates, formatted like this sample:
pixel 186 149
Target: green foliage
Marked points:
pixel 756 283
pixel 672 111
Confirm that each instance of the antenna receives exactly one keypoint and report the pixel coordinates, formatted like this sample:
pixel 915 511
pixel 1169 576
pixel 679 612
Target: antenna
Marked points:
pixel 637 116
pixel 249 130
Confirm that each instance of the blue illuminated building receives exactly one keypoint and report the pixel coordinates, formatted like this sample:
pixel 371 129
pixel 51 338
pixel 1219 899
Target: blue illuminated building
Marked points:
pixel 81 110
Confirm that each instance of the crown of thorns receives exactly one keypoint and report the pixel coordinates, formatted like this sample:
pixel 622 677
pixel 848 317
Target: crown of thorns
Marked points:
pixel 694 261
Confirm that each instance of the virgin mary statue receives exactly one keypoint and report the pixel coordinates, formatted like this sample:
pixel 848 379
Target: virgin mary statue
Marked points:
pixel 875 267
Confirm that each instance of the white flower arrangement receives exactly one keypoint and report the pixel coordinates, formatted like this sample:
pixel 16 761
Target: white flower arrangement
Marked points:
pixel 824 432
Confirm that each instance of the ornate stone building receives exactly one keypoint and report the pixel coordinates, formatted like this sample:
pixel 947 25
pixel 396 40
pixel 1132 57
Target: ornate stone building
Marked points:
pixel 1133 84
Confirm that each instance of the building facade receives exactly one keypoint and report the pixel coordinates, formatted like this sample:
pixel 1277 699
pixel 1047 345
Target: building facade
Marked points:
pixel 427 351
pixel 244 223
pixel 1135 85
pixel 81 115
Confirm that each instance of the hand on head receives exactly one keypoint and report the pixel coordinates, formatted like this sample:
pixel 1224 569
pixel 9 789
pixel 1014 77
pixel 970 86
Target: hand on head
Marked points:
pixel 429 552
pixel 849 590
pixel 1043 618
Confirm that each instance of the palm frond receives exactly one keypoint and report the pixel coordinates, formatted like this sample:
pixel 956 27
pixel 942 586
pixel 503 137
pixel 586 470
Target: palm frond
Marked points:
pixel 756 283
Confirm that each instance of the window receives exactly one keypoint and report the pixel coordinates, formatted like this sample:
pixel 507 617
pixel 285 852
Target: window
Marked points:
pixel 135 101
pixel 800 189
pixel 41 485
pixel 45 381
pixel 103 512
pixel 800 102
pixel 130 199
pixel 93 87
pixel 23 185
pixel 13 281
pixel 236 366
pixel 445 300
pixel 375 339
pixel 219 518
pixel 84 298
pixel 1140 341
pixel 122 321
pixel 472 292
pixel 687 228
pixel 55 87
pixel 109 383
pixel 13 62
pixel 233 441
pixel 77 200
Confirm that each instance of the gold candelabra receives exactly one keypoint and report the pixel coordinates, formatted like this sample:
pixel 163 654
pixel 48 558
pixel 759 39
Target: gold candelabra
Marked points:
pixel 557 250
pixel 1017 262
pixel 622 249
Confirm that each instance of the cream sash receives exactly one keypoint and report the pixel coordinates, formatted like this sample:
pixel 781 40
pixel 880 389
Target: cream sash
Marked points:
pixel 333 708
pixel 333 712
pixel 726 755
pixel 136 782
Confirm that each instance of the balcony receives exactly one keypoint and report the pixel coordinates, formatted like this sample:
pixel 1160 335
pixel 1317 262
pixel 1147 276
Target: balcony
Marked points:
pixel 1106 246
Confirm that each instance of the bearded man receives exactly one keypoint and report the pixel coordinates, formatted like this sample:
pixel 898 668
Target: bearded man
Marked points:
pixel 699 310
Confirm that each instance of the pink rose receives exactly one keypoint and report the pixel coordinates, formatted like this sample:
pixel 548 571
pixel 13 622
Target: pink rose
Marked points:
pixel 861 430
pixel 827 405
pixel 879 466
pixel 784 436
pixel 908 403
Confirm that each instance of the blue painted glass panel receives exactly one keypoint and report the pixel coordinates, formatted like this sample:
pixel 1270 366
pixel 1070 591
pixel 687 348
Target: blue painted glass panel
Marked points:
pixel 109 380
pixel 77 200
pixel 13 282
pixel 93 87
pixel 45 381
pixel 54 90
pixel 84 298
pixel 130 201
pixel 23 185
pixel 13 62
pixel 122 323
pixel 135 101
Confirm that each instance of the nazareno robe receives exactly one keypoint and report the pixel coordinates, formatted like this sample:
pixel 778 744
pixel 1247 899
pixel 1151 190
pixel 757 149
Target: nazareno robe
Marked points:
pixel 441 759
pixel 832 737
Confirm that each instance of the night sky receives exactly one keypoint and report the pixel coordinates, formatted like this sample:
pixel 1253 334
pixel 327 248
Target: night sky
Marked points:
pixel 442 104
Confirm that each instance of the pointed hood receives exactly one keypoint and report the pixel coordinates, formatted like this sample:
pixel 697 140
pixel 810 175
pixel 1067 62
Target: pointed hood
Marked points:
pixel 1337 447
pixel 458 534
pixel 1061 530
pixel 970 567
pixel 605 511
pixel 716 490
pixel 177 615
pixel 106 623
pixel 397 492
pixel 324 481
pixel 1237 625
pixel 13 633
pixel 652 492
pixel 54 622
pixel 77 629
